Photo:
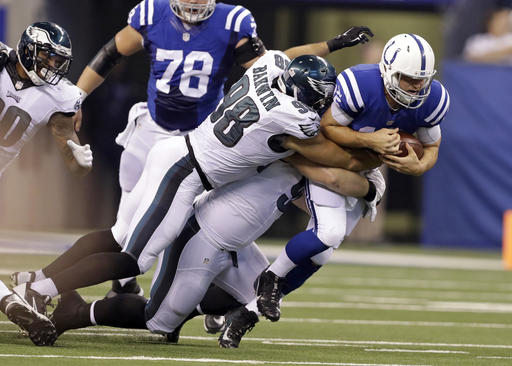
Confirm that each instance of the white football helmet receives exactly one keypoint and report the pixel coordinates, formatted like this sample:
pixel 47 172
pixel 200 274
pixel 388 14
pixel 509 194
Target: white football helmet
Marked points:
pixel 193 11
pixel 409 55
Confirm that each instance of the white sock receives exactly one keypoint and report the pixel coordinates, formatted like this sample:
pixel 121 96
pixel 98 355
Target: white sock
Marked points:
pixel 39 275
pixel 45 287
pixel 4 291
pixel 91 314
pixel 252 306
pixel 124 281
pixel 282 265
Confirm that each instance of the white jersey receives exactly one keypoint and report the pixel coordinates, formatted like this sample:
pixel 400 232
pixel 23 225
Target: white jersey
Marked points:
pixel 236 137
pixel 23 112
pixel 236 214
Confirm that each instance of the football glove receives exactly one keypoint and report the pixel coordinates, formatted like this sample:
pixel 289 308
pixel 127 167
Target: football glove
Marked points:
pixel 351 37
pixel 5 55
pixel 82 154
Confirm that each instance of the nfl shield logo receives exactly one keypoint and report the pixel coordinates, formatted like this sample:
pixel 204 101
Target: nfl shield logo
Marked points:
pixel 186 37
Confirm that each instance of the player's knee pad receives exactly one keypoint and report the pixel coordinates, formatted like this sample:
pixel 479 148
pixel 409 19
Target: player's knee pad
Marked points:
pixel 130 170
pixel 331 235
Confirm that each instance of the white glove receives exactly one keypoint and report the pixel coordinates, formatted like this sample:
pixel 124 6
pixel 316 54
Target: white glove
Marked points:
pixel 375 176
pixel 82 154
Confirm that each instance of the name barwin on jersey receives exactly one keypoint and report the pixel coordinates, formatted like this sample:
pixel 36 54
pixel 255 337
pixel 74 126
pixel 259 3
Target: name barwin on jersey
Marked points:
pixel 263 89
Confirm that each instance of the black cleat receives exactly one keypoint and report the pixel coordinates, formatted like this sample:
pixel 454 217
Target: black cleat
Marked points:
pixel 269 295
pixel 39 328
pixel 174 336
pixel 214 323
pixel 130 287
pixel 67 314
pixel 33 298
pixel 238 322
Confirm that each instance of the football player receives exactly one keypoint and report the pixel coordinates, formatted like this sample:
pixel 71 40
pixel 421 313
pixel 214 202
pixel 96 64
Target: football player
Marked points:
pixel 267 115
pixel 34 94
pixel 371 104
pixel 217 244
pixel 192 45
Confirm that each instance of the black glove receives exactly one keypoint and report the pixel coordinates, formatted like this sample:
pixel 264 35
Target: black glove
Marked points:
pixel 349 38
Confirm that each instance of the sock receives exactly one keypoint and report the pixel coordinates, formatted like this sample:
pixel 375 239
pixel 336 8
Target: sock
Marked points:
pixel 94 269
pixel 253 306
pixel 97 242
pixel 4 291
pixel 39 275
pixel 45 287
pixel 297 276
pixel 216 301
pixel 122 311
pixel 303 246
pixel 281 265
pixel 124 281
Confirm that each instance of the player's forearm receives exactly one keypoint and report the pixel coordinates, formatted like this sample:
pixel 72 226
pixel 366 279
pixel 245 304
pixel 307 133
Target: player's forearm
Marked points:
pixel 429 159
pixel 345 136
pixel 318 49
pixel 89 80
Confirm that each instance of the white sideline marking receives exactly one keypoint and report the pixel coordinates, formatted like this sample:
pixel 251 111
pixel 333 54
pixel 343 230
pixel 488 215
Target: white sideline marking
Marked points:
pixel 397 322
pixel 437 306
pixel 205 360
pixel 412 283
pixel 496 357
pixel 144 333
pixel 411 350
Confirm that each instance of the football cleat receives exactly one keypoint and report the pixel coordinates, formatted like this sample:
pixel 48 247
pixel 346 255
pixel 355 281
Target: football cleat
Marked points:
pixel 214 323
pixel 67 314
pixel 174 336
pixel 35 299
pixel 238 322
pixel 269 295
pixel 17 278
pixel 39 328
pixel 130 287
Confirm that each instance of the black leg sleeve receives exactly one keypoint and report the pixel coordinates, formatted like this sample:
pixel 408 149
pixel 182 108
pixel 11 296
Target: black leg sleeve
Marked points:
pixel 216 301
pixel 122 311
pixel 97 242
pixel 94 269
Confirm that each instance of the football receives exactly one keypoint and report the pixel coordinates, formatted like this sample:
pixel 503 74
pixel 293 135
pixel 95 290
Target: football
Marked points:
pixel 406 137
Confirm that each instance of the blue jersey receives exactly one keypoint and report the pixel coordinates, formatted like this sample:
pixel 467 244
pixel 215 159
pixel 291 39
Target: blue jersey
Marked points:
pixel 189 64
pixel 360 95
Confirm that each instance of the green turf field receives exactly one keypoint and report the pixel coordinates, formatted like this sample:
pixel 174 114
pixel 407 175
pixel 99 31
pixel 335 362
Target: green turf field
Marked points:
pixel 345 315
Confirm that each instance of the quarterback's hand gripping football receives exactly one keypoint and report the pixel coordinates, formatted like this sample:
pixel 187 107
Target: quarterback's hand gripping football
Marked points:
pixel 351 37
pixel 82 154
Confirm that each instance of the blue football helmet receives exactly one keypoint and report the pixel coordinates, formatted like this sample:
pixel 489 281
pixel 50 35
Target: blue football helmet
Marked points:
pixel 44 52
pixel 311 80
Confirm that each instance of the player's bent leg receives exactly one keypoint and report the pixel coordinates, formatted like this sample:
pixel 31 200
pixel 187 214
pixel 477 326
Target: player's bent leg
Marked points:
pixel 198 264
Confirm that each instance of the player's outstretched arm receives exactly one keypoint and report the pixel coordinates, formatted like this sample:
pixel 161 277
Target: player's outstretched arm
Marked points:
pixel 342 181
pixel 78 158
pixel 125 43
pixel 351 37
pixel 323 151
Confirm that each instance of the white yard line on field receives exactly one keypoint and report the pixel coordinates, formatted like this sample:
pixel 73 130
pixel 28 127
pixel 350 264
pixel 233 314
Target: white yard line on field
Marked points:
pixel 203 360
pixel 130 333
